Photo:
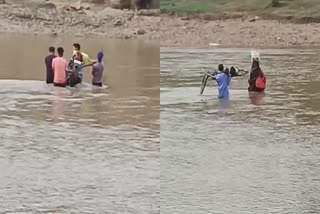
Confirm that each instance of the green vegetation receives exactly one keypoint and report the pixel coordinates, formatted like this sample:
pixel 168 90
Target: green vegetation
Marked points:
pixel 288 7
pixel 275 3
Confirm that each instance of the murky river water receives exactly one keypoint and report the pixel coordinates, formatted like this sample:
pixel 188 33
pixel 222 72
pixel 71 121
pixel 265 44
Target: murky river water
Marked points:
pixel 80 150
pixel 244 155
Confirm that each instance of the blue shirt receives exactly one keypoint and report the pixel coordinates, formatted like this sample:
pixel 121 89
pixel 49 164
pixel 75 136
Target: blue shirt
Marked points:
pixel 223 81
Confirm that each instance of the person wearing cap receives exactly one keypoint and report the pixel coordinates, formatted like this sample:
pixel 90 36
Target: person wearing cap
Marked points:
pixel 97 71
pixel 257 80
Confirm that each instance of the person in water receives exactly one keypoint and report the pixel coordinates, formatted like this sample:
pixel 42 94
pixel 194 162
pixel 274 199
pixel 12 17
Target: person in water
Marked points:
pixel 223 79
pixel 257 80
pixel 81 57
pixel 236 72
pixel 48 63
pixel 59 66
pixel 97 71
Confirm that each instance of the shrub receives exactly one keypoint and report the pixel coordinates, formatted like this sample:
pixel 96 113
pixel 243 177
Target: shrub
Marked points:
pixel 275 3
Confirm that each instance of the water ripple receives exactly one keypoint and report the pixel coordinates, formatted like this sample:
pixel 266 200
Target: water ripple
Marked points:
pixel 248 154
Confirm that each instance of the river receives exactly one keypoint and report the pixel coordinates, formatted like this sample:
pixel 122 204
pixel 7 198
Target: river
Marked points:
pixel 79 150
pixel 258 154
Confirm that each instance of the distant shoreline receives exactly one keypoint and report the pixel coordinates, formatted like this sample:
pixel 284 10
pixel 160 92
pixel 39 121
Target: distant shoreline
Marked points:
pixel 59 19
pixel 237 33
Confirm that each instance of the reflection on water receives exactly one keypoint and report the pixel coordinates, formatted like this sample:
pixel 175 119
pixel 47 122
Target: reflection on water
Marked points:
pixel 84 149
pixel 257 98
pixel 256 153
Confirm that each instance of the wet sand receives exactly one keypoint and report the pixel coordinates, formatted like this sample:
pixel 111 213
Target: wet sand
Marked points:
pixel 198 33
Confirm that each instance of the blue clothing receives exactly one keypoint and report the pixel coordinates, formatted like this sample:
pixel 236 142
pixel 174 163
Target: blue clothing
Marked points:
pixel 223 81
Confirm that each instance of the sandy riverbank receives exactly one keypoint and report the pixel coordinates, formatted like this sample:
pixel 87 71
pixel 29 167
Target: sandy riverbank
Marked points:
pixel 185 32
pixel 70 18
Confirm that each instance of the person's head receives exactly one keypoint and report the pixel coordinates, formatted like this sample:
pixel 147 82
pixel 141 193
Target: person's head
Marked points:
pixel 220 67
pixel 60 51
pixel 255 63
pixel 255 56
pixel 233 71
pixel 76 47
pixel 51 50
pixel 100 56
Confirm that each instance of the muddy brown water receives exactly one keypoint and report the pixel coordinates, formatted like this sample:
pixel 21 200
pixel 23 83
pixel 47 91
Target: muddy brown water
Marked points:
pixel 80 150
pixel 258 154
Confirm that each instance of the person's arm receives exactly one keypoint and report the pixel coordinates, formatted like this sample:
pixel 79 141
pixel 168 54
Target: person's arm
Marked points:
pixel 93 60
pixel 227 71
pixel 241 73
pixel 217 77
pixel 87 60
pixel 244 73
pixel 214 74
pixel 53 65
pixel 94 70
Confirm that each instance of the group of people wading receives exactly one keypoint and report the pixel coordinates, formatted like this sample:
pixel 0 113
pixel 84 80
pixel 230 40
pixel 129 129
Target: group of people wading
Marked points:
pixel 61 73
pixel 257 80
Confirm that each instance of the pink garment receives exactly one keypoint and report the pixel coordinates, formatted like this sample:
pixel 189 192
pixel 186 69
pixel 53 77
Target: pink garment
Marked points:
pixel 59 65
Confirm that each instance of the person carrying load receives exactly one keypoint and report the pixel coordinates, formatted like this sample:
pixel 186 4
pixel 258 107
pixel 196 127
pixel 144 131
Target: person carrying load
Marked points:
pixel 76 66
pixel 223 77
pixel 257 80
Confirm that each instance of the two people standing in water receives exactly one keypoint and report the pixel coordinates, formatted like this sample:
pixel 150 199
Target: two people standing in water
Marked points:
pixel 57 67
pixel 257 79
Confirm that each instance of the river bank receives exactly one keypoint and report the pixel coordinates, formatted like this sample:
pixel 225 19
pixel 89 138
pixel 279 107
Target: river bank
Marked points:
pixel 78 19
pixel 237 32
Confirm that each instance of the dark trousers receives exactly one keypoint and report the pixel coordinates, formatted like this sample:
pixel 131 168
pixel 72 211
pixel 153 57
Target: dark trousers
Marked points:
pixel 60 84
pixel 97 84
pixel 73 80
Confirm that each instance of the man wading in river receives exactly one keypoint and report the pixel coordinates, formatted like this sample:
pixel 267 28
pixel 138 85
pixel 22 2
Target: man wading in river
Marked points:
pixel 223 79
pixel 48 62
pixel 97 71
pixel 81 57
pixel 59 66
